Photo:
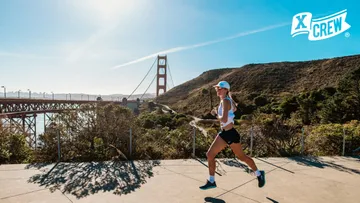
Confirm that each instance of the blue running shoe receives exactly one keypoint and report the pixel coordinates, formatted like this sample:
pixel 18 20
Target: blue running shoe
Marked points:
pixel 261 179
pixel 208 185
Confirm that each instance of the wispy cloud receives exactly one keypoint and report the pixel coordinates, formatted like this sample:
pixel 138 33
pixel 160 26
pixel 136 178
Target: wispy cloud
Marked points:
pixel 182 48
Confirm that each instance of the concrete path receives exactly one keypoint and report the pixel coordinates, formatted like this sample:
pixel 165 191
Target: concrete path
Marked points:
pixel 316 179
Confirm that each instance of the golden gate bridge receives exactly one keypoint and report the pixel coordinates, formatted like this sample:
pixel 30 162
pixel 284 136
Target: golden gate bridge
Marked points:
pixel 19 115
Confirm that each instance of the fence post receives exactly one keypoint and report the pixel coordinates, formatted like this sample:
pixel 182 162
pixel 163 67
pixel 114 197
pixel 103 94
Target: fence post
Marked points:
pixel 251 140
pixel 302 141
pixel 58 139
pixel 130 143
pixel 194 134
pixel 343 151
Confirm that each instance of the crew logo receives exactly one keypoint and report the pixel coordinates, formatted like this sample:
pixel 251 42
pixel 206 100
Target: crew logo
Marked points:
pixel 320 28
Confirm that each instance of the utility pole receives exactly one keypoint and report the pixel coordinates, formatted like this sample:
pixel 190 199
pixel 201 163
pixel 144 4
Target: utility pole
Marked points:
pixel 210 88
pixel 211 104
pixel 4 90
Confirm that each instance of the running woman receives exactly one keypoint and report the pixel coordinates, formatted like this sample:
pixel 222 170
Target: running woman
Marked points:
pixel 227 137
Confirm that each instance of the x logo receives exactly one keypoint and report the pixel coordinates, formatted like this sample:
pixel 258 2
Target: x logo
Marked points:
pixel 300 22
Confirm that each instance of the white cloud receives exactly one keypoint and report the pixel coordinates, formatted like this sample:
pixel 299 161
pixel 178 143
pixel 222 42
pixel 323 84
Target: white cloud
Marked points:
pixel 182 48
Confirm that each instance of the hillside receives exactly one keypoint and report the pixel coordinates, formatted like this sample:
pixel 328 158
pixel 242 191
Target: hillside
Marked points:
pixel 274 80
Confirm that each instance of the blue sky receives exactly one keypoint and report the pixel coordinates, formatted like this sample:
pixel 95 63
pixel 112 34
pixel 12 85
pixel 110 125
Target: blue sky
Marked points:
pixel 84 46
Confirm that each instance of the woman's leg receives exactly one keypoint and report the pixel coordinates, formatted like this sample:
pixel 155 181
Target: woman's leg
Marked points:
pixel 217 145
pixel 237 149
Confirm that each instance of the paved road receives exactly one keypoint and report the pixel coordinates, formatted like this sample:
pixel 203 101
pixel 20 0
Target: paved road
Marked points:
pixel 318 180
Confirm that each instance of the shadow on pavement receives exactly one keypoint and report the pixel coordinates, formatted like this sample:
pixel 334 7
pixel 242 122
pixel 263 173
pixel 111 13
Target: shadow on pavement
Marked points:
pixel 274 201
pixel 202 162
pixel 236 163
pixel 37 165
pixel 321 163
pixel 275 165
pixel 213 200
pixel 84 179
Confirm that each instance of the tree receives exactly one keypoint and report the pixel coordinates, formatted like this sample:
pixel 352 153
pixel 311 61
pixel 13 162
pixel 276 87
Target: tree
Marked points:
pixel 306 109
pixel 288 106
pixel 93 133
pixel 343 105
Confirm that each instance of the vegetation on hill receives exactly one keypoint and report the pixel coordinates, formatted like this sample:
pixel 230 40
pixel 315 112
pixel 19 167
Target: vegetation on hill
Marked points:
pixel 254 85
pixel 313 95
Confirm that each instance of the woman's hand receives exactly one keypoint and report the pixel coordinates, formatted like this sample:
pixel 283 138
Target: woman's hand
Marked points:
pixel 214 112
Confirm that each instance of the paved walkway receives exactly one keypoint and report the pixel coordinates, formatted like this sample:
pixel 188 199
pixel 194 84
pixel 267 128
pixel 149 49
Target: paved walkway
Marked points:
pixel 318 180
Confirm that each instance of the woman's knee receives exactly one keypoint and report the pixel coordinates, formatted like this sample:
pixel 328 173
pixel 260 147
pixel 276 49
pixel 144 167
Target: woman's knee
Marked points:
pixel 210 155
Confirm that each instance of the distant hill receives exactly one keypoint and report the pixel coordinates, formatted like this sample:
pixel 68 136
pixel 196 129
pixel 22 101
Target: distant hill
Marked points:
pixel 270 79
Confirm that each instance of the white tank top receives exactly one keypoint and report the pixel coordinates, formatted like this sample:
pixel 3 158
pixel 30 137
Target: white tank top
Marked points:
pixel 231 114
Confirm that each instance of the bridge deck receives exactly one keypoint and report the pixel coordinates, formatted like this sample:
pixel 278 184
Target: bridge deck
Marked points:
pixel 321 179
pixel 15 107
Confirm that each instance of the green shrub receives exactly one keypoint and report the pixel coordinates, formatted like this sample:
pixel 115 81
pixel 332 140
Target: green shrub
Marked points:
pixel 212 131
pixel 251 96
pixel 272 136
pixel 182 121
pixel 4 148
pixel 165 143
pixel 14 149
pixel 204 91
pixel 288 106
pixel 245 117
pixel 325 140
pixel 260 100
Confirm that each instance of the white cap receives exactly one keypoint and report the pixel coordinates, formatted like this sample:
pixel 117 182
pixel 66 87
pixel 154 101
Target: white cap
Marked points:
pixel 223 84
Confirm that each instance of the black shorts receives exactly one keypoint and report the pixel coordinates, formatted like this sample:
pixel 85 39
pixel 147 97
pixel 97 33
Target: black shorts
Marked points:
pixel 230 136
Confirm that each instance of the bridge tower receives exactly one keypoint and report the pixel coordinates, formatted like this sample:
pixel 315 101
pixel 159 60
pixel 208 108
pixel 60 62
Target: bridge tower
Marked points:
pixel 161 74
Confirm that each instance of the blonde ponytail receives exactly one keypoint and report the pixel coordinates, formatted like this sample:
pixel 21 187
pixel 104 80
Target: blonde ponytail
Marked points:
pixel 233 102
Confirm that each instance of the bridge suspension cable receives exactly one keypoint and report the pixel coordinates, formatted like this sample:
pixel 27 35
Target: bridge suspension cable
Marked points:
pixel 143 79
pixel 168 67
pixel 148 86
pixel 170 73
